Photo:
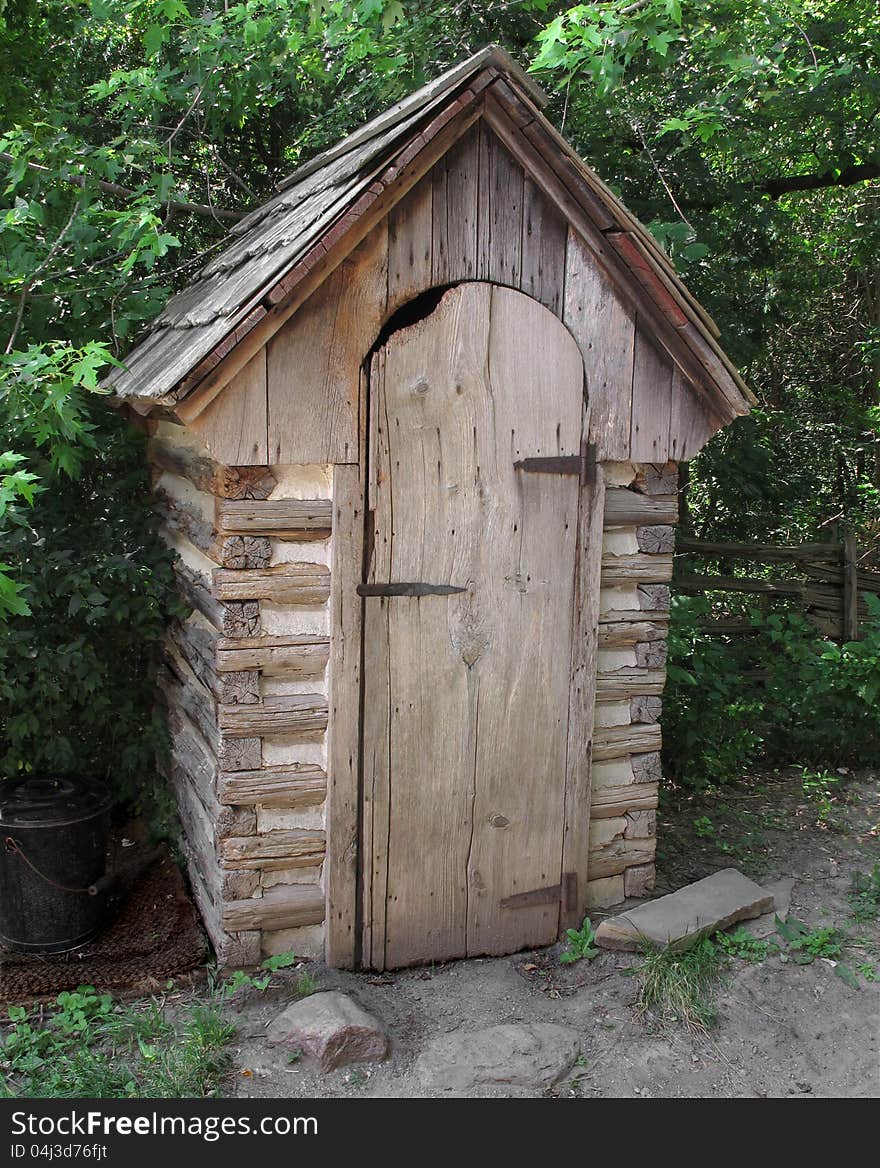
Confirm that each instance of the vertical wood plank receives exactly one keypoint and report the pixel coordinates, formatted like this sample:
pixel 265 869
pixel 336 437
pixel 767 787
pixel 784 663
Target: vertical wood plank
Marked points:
pixel 376 701
pixel 499 213
pixel 344 676
pixel 582 690
pixel 314 360
pixel 233 426
pixel 691 421
pixel 455 187
pixel 543 249
pixel 651 402
pixel 605 331
pixel 525 532
pixel 410 245
pixel 418 765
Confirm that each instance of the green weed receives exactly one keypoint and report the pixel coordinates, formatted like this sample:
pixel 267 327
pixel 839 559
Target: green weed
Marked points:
pixel 306 984
pixel 868 971
pixel 864 895
pixel 822 788
pixel 90 1047
pixel 806 944
pixel 581 944
pixel 743 945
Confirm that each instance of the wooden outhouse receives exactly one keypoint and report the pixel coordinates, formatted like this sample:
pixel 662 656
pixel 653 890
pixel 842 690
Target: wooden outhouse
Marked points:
pixel 415 434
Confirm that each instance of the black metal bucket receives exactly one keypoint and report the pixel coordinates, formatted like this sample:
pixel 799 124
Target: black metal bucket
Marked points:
pixel 53 848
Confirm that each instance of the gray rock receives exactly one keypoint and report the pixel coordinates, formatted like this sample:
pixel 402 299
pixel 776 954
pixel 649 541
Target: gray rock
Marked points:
pixel 682 917
pixel 765 926
pixel 330 1028
pixel 518 1055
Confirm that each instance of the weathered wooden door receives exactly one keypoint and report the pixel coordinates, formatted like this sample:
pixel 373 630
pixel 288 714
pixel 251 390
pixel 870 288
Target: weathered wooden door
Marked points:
pixel 469 582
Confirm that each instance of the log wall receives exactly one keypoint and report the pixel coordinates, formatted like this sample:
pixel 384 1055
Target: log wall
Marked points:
pixel 244 679
pixel 640 510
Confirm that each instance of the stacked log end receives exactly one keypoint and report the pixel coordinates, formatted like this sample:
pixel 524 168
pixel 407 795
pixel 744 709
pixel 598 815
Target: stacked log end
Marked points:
pixel 640 513
pixel 244 679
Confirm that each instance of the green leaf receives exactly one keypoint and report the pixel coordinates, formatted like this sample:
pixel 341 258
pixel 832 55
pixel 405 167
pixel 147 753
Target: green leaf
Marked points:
pixel 154 38
pixel 280 961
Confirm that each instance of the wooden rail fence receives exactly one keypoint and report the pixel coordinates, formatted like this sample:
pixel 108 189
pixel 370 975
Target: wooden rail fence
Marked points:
pixel 826 582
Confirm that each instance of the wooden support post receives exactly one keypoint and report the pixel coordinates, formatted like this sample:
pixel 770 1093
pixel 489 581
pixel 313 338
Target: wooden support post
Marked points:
pixel 850 588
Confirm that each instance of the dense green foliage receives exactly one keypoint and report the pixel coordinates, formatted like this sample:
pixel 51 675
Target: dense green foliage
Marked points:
pixel 781 695
pixel 742 132
pixel 75 675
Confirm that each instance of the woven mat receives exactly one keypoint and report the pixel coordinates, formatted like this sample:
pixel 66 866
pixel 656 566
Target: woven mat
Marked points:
pixel 154 935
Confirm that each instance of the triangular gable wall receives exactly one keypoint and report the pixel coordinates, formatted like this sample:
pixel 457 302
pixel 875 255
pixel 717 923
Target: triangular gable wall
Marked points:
pixel 477 215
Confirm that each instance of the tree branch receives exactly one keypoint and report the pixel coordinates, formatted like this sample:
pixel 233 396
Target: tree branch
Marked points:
pixel 848 176
pixel 78 180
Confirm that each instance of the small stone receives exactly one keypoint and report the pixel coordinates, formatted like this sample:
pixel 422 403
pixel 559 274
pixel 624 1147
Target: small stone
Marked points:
pixel 518 1055
pixel 330 1028
pixel 682 917
pixel 638 880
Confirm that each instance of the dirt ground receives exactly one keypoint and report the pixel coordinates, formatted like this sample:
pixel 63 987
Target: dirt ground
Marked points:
pixel 783 1029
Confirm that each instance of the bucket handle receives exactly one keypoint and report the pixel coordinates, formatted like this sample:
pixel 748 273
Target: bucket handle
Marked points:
pixel 13 847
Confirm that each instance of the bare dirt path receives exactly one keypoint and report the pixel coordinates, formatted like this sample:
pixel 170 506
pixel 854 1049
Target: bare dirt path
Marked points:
pixel 783 1029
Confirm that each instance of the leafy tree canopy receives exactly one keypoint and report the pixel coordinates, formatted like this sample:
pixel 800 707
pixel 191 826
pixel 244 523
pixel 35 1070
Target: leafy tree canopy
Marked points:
pixel 134 132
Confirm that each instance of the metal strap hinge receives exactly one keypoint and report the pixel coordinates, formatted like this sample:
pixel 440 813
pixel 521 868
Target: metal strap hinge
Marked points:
pixel 565 892
pixel 407 589
pixel 566 464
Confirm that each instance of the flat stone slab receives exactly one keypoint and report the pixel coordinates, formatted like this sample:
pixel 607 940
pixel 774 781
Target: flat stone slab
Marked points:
pixel 330 1028
pixel 682 917
pixel 535 1055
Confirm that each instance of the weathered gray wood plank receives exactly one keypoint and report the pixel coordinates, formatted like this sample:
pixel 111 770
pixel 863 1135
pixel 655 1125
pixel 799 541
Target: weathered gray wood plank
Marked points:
pixel 294 519
pixel 605 331
pixel 314 360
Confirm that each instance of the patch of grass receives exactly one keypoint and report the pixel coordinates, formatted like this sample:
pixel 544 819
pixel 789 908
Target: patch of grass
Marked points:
pixel 679 986
pixel 864 895
pixel 306 984
pixel 581 944
pixel 89 1046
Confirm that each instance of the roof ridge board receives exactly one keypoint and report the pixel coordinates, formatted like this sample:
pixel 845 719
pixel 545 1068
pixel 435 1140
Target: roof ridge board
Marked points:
pixel 424 98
